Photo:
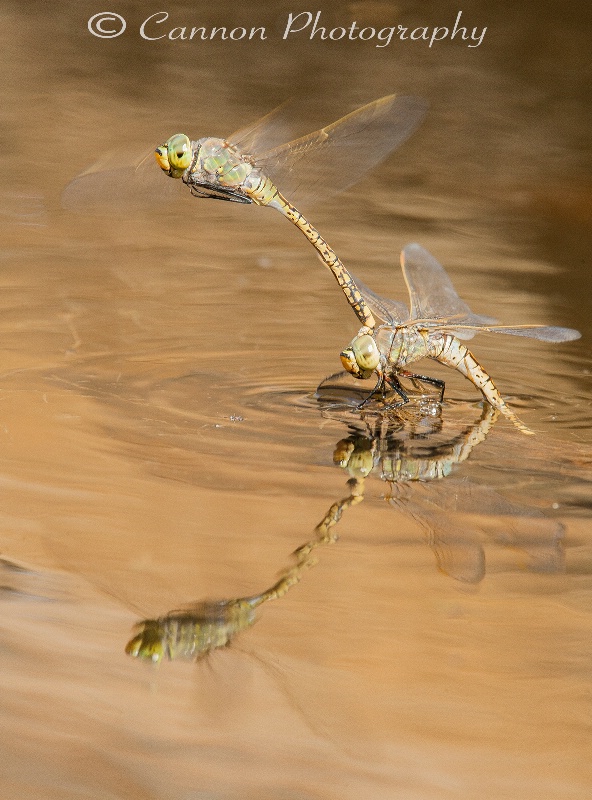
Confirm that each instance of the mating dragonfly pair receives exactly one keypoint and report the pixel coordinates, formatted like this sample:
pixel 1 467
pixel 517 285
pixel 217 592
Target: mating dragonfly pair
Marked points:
pixel 245 169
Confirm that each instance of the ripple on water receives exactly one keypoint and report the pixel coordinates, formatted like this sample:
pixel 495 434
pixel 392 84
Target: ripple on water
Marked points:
pixel 186 423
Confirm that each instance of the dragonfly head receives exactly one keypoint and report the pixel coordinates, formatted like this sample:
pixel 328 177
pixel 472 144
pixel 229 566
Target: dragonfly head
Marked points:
pixel 175 156
pixel 361 357
pixel 357 456
pixel 147 645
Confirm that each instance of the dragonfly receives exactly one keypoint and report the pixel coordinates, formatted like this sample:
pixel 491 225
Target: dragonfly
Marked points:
pixel 244 169
pixel 191 633
pixel 431 328
pixel 194 632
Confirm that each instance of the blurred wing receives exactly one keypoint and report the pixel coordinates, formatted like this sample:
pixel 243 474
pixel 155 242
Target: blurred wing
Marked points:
pixel 121 181
pixel 333 158
pixel 390 311
pixel 431 292
pixel 270 131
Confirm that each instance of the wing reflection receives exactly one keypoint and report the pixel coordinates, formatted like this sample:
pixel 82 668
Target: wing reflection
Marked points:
pixel 456 514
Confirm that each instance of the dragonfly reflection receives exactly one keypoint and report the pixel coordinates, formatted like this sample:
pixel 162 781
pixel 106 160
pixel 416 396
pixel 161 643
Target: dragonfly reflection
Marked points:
pixel 191 633
pixel 416 470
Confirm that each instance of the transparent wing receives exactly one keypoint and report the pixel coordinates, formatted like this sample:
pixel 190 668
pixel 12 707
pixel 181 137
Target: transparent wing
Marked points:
pixel 390 311
pixel 436 304
pixel 431 293
pixel 266 133
pixel 121 181
pixel 454 542
pixel 334 158
pixel 545 333
pixel 423 275
pixel 324 162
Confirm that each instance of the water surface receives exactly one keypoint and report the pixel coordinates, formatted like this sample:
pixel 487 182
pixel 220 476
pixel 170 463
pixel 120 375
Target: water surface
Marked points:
pixel 163 443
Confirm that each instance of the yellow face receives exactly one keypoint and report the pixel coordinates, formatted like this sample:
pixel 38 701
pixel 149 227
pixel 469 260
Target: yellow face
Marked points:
pixel 361 357
pixel 175 156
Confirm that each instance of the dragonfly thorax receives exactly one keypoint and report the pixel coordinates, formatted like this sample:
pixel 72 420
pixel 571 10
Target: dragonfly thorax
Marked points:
pixel 217 161
pixel 402 346
pixel 394 347
pixel 207 162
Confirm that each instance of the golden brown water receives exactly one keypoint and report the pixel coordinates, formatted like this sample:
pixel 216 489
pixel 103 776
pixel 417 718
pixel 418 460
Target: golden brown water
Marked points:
pixel 162 443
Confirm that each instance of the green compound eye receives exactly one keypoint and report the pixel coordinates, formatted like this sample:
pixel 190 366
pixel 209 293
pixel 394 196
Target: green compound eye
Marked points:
pixel 361 357
pixel 179 152
pixel 366 352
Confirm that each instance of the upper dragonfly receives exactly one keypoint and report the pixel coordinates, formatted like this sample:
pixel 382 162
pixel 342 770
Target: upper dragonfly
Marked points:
pixel 437 320
pixel 243 169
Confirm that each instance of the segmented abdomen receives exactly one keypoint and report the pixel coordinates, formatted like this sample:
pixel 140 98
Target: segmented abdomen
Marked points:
pixel 447 349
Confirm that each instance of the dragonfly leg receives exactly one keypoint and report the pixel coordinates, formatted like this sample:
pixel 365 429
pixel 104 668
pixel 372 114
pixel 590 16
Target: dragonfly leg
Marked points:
pixel 378 388
pixel 415 378
pixel 387 382
pixel 393 381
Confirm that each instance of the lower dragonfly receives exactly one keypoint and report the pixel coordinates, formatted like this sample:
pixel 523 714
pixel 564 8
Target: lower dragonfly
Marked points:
pixel 338 154
pixel 433 327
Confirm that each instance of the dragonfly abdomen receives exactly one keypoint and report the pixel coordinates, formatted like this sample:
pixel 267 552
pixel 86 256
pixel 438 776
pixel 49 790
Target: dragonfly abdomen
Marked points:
pixel 449 350
pixel 261 189
pixel 330 258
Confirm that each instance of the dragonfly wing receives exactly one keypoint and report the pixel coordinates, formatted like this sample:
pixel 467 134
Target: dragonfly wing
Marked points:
pixel 390 311
pixel 545 333
pixel 121 180
pixel 435 300
pixel 455 544
pixel 334 158
pixel 270 131
pixel 431 293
